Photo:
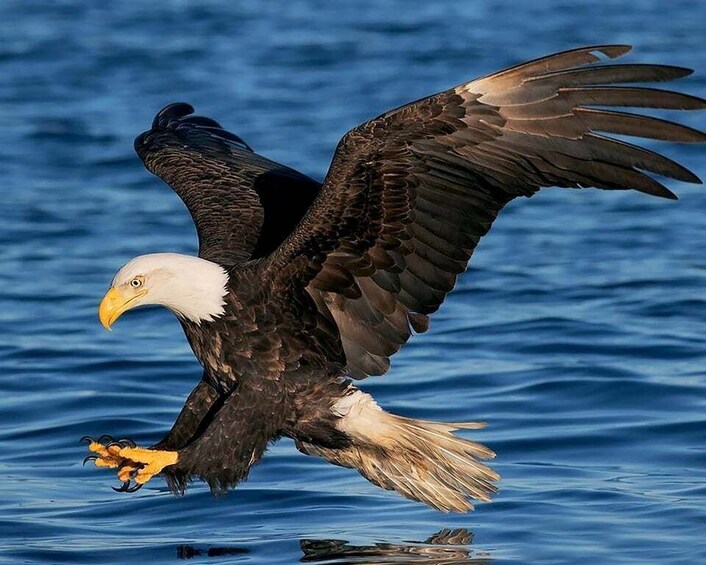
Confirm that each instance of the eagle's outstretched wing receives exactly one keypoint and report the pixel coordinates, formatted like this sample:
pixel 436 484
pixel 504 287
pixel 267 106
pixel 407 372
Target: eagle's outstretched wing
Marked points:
pixel 243 204
pixel 410 193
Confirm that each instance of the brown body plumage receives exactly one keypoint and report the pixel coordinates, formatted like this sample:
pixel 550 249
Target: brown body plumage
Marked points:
pixel 327 281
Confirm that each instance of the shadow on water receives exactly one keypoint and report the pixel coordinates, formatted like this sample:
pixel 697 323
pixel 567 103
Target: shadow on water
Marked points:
pixel 189 551
pixel 443 548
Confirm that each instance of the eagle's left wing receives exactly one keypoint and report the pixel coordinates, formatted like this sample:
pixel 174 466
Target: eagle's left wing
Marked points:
pixel 243 204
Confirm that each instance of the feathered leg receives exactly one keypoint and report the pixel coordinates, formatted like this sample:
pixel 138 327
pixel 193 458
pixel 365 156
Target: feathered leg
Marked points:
pixel 234 440
pixel 203 402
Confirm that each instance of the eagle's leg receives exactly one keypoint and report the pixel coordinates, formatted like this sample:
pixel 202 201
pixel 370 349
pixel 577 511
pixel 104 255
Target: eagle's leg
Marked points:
pixel 201 405
pixel 141 464
pixel 232 439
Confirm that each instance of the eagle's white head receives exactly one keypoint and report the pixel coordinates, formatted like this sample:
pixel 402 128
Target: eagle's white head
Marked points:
pixel 191 287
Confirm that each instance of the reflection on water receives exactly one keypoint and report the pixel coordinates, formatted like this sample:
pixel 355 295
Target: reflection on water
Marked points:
pixel 189 551
pixel 443 548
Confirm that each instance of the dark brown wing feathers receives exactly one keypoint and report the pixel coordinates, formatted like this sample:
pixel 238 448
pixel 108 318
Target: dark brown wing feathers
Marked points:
pixel 410 193
pixel 243 204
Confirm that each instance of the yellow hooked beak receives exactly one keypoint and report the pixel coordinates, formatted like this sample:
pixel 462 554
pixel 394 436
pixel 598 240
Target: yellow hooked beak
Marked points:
pixel 114 304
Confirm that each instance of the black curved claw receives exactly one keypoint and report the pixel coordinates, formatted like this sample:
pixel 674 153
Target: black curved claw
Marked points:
pixel 121 443
pixel 88 439
pixel 89 458
pixel 125 487
pixel 122 488
pixel 105 438
pixel 133 473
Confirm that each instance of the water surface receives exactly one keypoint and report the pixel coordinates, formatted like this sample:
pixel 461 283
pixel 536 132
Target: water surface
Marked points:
pixel 578 333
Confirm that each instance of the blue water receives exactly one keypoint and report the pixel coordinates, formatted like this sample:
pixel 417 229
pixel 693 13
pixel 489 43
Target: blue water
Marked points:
pixel 578 333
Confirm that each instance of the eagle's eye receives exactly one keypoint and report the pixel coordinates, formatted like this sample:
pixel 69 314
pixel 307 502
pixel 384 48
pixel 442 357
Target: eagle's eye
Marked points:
pixel 136 283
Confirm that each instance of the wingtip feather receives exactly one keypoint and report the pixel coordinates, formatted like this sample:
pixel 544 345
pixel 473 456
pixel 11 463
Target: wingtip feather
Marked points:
pixel 176 110
pixel 614 51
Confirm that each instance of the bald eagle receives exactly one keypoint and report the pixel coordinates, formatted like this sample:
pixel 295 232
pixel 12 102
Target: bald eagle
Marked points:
pixel 301 287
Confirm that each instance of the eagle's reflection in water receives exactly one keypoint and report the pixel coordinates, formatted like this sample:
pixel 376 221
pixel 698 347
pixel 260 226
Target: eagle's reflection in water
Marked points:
pixel 443 548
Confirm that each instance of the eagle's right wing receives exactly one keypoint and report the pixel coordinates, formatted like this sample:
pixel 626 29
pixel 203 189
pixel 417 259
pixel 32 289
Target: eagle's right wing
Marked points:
pixel 409 194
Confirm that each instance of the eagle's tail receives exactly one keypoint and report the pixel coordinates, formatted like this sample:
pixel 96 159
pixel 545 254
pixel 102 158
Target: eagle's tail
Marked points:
pixel 421 460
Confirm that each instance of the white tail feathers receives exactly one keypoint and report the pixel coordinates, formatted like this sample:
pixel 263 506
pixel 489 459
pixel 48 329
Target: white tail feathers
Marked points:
pixel 421 460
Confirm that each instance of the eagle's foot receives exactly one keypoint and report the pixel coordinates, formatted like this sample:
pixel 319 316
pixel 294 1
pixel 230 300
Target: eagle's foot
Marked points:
pixel 134 463
pixel 105 450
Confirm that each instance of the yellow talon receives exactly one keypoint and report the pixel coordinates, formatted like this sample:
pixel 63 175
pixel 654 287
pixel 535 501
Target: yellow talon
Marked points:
pixel 153 460
pixel 136 463
pixel 107 456
pixel 98 448
pixel 107 462
pixel 125 472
